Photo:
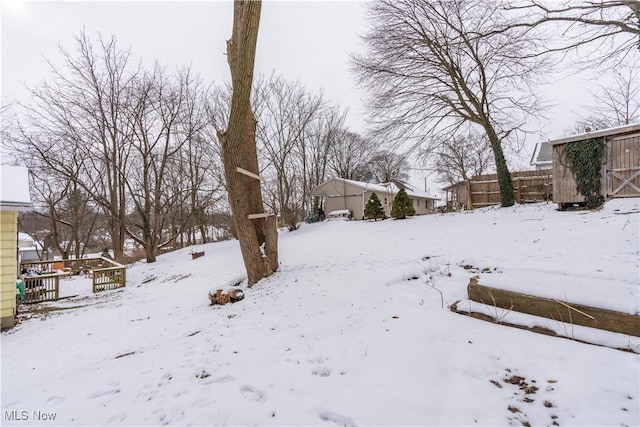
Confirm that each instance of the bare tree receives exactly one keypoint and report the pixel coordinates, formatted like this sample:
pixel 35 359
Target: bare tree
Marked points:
pixel 63 204
pixel 386 165
pixel 203 177
pixel 609 29
pixel 166 114
pixel 350 154
pixel 239 147
pixel 101 80
pixel 114 136
pixel 319 146
pixel 433 65
pixel 616 103
pixel 57 182
pixel 296 136
pixel 462 157
pixel 286 115
pixel 75 126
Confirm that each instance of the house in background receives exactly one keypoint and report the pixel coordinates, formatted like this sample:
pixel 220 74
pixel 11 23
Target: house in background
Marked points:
pixel 341 194
pixel 14 197
pixel 28 249
pixel 620 170
pixel 542 158
pixel 456 196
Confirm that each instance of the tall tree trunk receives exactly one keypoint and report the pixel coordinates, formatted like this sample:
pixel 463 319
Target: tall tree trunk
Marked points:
pixel 239 142
pixel 504 176
pixel 467 187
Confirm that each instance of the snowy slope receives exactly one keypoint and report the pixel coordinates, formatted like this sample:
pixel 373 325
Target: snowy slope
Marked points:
pixel 343 334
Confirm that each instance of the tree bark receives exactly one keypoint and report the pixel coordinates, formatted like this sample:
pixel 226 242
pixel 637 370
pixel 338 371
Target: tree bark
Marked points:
pixel 504 177
pixel 467 187
pixel 239 142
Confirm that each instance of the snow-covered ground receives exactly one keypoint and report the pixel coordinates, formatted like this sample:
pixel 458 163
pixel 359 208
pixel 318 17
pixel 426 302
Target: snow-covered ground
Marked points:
pixel 352 330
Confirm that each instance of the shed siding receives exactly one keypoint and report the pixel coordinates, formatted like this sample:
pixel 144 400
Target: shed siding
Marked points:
pixel 8 273
pixel 564 181
pixel 620 167
pixel 565 189
pixel 624 164
pixel 621 163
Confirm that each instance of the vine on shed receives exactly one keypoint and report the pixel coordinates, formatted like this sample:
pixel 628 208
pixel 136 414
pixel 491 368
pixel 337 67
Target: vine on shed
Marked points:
pixel 585 161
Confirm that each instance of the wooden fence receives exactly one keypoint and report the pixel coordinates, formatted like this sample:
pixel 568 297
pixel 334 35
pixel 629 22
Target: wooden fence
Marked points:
pixel 106 279
pixel 528 187
pixel 41 288
pixel 106 275
pixel 77 266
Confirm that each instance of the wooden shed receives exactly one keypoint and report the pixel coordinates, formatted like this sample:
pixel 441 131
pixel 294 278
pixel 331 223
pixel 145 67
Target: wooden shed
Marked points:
pixel 620 174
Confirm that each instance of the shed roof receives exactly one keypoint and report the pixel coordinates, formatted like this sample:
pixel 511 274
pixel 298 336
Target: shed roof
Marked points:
pixel 618 130
pixel 14 188
pixel 452 186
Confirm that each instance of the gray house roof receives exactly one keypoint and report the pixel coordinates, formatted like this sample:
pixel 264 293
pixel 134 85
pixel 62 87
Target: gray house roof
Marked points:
pixel 542 155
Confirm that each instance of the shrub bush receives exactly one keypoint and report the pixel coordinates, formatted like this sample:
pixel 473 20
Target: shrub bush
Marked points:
pixel 402 206
pixel 374 208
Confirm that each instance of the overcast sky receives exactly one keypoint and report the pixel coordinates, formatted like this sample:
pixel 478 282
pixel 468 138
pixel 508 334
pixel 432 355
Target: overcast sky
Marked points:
pixel 305 40
pixel 308 41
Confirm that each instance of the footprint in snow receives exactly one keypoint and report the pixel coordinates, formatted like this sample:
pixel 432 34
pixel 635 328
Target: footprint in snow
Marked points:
pixel 321 371
pixel 118 418
pixel 103 393
pixel 223 379
pixel 55 399
pixel 252 394
pixel 336 419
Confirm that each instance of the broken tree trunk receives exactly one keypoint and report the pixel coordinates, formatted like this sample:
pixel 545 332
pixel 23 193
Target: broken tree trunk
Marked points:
pixel 221 298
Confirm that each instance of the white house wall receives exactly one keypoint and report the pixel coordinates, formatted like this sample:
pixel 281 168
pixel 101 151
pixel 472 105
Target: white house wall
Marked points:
pixel 353 203
pixel 356 204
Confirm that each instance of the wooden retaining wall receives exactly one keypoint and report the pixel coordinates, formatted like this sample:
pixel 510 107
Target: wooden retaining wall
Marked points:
pixel 561 311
